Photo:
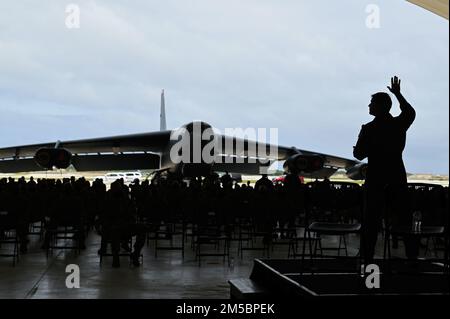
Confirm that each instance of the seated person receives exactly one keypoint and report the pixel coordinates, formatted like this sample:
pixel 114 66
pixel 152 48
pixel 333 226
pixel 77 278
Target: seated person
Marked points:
pixel 118 224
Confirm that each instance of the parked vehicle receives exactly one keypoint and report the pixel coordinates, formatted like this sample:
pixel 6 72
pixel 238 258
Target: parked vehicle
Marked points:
pixel 131 176
pixel 111 177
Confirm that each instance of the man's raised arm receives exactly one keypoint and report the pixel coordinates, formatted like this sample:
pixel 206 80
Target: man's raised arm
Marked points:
pixel 408 113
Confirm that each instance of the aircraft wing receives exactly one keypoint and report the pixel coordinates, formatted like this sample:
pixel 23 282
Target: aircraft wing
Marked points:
pixel 247 148
pixel 238 156
pixel 145 142
pixel 242 167
pixel 259 168
pixel 108 153
pixel 142 151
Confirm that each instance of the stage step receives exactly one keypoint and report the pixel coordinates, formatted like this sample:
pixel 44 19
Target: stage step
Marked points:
pixel 244 288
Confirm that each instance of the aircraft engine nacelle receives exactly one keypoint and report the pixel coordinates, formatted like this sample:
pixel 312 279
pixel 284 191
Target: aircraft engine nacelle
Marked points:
pixel 358 172
pixel 300 163
pixel 53 157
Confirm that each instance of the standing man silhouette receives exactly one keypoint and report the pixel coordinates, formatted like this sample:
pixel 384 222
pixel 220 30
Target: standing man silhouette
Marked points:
pixel 382 142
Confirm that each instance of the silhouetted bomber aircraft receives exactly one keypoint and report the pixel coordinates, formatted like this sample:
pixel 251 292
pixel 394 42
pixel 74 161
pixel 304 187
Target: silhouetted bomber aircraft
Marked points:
pixel 158 150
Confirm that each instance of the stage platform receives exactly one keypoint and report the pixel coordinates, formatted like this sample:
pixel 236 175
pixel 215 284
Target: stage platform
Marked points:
pixel 339 278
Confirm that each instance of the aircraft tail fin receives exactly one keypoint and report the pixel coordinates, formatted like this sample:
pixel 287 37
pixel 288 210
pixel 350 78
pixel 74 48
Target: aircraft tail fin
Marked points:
pixel 162 116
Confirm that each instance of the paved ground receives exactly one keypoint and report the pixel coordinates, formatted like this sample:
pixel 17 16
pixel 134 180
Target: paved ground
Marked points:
pixel 167 276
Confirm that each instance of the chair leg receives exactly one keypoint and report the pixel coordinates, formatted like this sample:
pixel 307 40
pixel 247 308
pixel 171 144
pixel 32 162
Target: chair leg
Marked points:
pixel 447 256
pixel 182 245
pixel 320 246
pixel 315 245
pixel 345 245
pixel 427 247
pixel 289 250
pixel 16 252
pixel 385 243
pixel 436 255
pixel 388 246
pixel 198 253
pixel 339 246
pixel 312 254
pixel 304 249
pixel 239 244
pixel 310 244
pixel 48 245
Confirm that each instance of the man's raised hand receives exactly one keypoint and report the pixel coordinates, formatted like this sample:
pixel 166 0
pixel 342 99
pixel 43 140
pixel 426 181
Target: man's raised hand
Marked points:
pixel 395 86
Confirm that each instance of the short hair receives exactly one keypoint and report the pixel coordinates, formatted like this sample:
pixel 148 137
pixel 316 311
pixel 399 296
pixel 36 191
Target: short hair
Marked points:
pixel 382 100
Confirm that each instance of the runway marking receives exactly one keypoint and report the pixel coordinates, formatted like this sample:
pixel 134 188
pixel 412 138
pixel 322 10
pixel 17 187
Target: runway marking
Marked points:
pixel 35 287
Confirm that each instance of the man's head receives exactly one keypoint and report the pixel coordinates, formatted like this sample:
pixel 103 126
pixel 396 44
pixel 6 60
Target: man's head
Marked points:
pixel 380 104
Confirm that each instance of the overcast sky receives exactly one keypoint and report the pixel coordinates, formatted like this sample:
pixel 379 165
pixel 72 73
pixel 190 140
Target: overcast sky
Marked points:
pixel 307 68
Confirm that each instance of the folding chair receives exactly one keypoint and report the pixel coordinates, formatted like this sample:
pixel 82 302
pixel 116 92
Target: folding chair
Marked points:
pixel 432 225
pixel 8 237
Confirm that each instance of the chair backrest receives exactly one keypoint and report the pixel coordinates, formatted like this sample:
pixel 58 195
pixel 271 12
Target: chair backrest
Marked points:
pixel 8 220
pixel 334 201
pixel 430 200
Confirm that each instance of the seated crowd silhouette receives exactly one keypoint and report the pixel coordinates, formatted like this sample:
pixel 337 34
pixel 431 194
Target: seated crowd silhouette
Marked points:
pixel 124 212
